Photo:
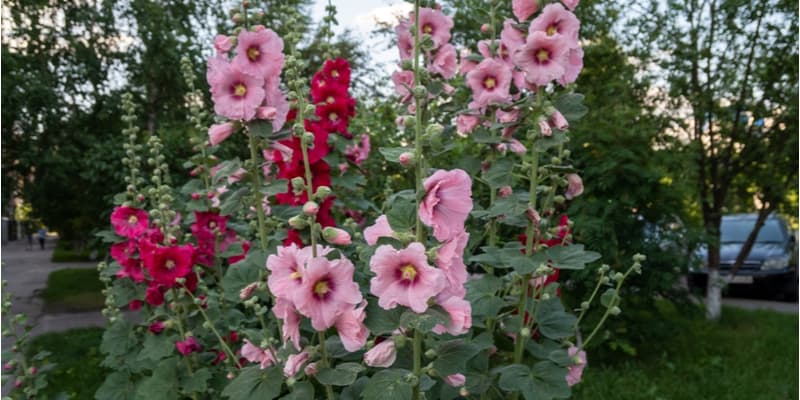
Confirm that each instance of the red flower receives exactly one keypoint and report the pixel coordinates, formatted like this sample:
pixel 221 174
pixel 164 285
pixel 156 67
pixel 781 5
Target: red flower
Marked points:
pixel 245 248
pixel 336 116
pixel 132 268
pixel 337 71
pixel 156 327
pixel 129 222
pixel 122 251
pixel 328 93
pixel 165 264
pixel 188 346
pixel 155 295
pixel 135 305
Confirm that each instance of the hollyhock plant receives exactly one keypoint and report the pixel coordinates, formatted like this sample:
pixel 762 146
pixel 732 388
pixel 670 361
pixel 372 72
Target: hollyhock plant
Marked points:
pixel 490 82
pixel 286 311
pixel 256 354
pixel 523 9
pixel 327 291
pixel 217 133
pixel 237 94
pixel 380 229
pixel 542 58
pixel 259 53
pixel 404 277
pixel 576 369
pixel 555 20
pixel 294 363
pixel 351 328
pixel 447 202
pixel 188 346
pixel 434 23
pixel 129 222
pixel 445 63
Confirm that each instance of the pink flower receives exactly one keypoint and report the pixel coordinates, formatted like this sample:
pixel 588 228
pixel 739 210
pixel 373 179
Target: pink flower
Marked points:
pixel 455 380
pixel 447 202
pixel 380 229
pixel 576 370
pixel 222 44
pixel 511 39
pixel 165 264
pixel 573 67
pixel 135 305
pixel 129 222
pixel 253 353
pixel 555 20
pixel 287 267
pixel 336 236
pixel 219 132
pixel 383 355
pixel 351 328
pixel 558 120
pixel 358 153
pixel 542 58
pixel 505 191
pixel 404 277
pixel 507 117
pixel 311 369
pixel 216 67
pixel 237 94
pixel 188 346
pixel 403 84
pixel 154 295
pixel 123 251
pixel 259 53
pixel 490 82
pixel 293 364
pixel 449 259
pixel 571 4
pixel 460 312
pixel 327 291
pixel 544 127
pixel 524 8
pixel 516 146
pixel 435 23
pixel 405 39
pixel 444 63
pixel 574 186
pixel 466 123
pixel 466 64
pixel 284 309
pixel 275 98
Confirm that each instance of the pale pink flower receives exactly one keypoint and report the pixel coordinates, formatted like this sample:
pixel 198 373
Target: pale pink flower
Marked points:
pixel 266 112
pixel 505 191
pixel 383 355
pixel 287 268
pixel 558 120
pixel 516 146
pixel 511 39
pixel 576 370
pixel 544 127
pixel 455 380
pixel 336 236
pixel 484 49
pixel 490 82
pixel 435 23
pixel 460 312
pixel 507 117
pixel 571 4
pixel 542 58
pixel 275 98
pixel 236 94
pixel 380 229
pixel 284 309
pixel 404 277
pixel 259 53
pixel 403 84
pixel 574 186
pixel 405 39
pixel 294 363
pixel 219 132
pixel 327 291
pixel 216 66
pixel 466 64
pixel 466 123
pixel 523 9
pixel 255 354
pixel 450 260
pixel 555 20
pixel 573 66
pixel 444 63
pixel 352 330
pixel 358 153
pixel 222 44
pixel 447 202
pixel 311 369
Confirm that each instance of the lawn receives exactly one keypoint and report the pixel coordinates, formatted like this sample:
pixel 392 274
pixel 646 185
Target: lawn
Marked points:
pixel 77 355
pixel 747 355
pixel 73 289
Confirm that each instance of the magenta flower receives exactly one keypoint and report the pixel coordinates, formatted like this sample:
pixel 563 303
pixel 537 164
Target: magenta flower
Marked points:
pixel 132 268
pixel 156 327
pixel 405 39
pixel 466 123
pixel 284 309
pixel 574 186
pixel 383 355
pixel 294 363
pixel 327 291
pixel 490 82
pixel 460 312
pixel 576 370
pixel 404 277
pixel 555 20
pixel 259 53
pixel 165 264
pixel 449 259
pixel 122 251
pixel 352 330
pixel 188 346
pixel 447 203
pixel 236 94
pixel 380 229
pixel 435 23
pixel 542 58
pixel 444 63
pixel 217 133
pixel 129 221
pixel 523 9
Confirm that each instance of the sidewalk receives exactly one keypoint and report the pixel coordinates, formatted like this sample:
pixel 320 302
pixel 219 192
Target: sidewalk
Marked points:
pixel 26 272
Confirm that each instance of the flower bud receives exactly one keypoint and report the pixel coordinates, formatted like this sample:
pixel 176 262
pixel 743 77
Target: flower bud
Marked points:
pixel 525 332
pixel 558 199
pixel 614 310
pixel 420 91
pixel 431 353
pixel 298 222
pixel 247 291
pixel 434 129
pixel 311 369
pixel 382 355
pixel 32 370
pixel 298 184
pixel 399 341
pixel 308 137
pixel 485 28
pixel 544 128
pixel 639 257
pixel 322 193
pixel 406 159
pixel 505 191
pixel 585 305
pixel 559 121
pixel 310 208
pixel 574 186
pixel 266 112
pixel 336 236
pixel 237 18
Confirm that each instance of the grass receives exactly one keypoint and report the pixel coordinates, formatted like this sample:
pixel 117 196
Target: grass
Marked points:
pixel 77 355
pixel 73 289
pixel 66 252
pixel 747 355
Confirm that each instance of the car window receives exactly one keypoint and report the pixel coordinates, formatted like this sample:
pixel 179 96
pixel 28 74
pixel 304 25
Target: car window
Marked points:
pixel 737 230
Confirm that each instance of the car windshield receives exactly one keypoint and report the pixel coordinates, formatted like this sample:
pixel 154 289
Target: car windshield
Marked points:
pixel 737 230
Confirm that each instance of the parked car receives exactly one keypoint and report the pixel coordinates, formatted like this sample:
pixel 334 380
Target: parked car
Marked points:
pixel 771 264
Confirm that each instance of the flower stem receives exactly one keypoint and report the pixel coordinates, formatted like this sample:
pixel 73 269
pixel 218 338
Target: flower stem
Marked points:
pixel 418 104
pixel 325 362
pixel 262 227
pixel 179 320
pixel 309 191
pixel 417 360
pixel 222 342
pixel 611 305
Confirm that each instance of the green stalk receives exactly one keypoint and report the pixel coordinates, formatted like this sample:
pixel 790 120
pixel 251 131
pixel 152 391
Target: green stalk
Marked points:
pixel 417 360
pixel 222 342
pixel 608 309
pixel 418 125
pixel 262 226
pixel 325 362
pixel 309 191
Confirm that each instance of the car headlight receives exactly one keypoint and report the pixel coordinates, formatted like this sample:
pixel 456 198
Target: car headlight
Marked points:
pixel 775 263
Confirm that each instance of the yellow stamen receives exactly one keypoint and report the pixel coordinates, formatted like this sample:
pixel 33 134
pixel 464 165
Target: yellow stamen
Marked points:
pixel 335 73
pixel 489 83
pixel 333 117
pixel 427 29
pixel 330 99
pixel 240 90
pixel 169 264
pixel 551 30
pixel 253 53
pixel 296 275
pixel 543 55
pixel 408 272
pixel 212 224
pixel 132 219
pixel 321 288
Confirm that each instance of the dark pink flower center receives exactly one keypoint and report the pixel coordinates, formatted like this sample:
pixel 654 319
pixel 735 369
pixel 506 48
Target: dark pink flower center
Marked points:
pixel 323 288
pixel 541 56
pixel 490 82
pixel 253 53
pixel 239 89
pixel 407 274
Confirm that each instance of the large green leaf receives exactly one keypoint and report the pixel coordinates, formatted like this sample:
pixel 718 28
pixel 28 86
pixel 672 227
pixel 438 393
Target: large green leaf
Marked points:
pixel 380 321
pixel 545 381
pixel 343 375
pixel 403 214
pixel 162 384
pixel 571 106
pixel 388 384
pixel 553 321
pixel 253 383
pixel 452 356
pixel 118 338
pixel 571 257
pixel 156 347
pixel 243 273
pixel 117 386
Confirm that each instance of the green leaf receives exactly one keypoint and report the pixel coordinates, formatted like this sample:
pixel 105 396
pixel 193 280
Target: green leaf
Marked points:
pixel 156 347
pixel 547 142
pixel 160 385
pixel 608 298
pixel 452 356
pixel 108 236
pixel 253 383
pixel 353 392
pixel 260 128
pixel 300 391
pixel 425 321
pixel 118 338
pixel 243 273
pixel 343 375
pixel 571 106
pixel 553 321
pixel 117 386
pixel 483 135
pixel 380 321
pixel 571 257
pixel 392 154
pixel 403 214
pixel 499 174
pixel 231 201
pixel 226 169
pixel 196 382
pixel 510 256
pixel 545 381
pixel 388 384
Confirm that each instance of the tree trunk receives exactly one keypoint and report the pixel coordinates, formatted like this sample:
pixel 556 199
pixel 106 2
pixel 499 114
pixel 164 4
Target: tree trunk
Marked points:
pixel 714 295
pixel 763 213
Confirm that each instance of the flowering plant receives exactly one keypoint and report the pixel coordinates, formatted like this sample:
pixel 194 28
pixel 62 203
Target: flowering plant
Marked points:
pixel 247 285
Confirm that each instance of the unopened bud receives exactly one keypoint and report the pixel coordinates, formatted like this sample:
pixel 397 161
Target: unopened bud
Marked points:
pixel 525 332
pixel 247 291
pixel 585 305
pixel 558 199
pixel 639 257
pixel 614 310
pixel 308 137
pixel 434 129
pixel 322 192
pixel 406 159
pixel 310 208
pixel 485 28
pixel 420 92
pixel 298 222
pixel 336 236
pixel 237 18
pixel 32 370
pixel 431 353
pixel 463 392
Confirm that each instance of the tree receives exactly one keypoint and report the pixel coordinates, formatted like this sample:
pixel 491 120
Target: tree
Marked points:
pixel 731 72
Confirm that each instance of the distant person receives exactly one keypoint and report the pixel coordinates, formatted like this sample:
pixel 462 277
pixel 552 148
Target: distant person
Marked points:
pixel 42 237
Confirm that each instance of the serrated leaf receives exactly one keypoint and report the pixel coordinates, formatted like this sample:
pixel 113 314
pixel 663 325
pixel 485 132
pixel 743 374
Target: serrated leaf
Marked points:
pixel 423 322
pixel 243 273
pixel 380 321
pixel 108 236
pixel 571 257
pixel 403 214
pixel 452 356
pixel 118 338
pixel 260 128
pixel 608 298
pixel 343 375
pixel 197 382
pixel 156 347
pixel 160 385
pixel 392 154
pixel 547 142
pixel 300 391
pixel 253 383
pixel 553 321
pixel 117 386
pixel 545 381
pixel 231 201
pixel 571 106
pixel 388 384
pixel 499 174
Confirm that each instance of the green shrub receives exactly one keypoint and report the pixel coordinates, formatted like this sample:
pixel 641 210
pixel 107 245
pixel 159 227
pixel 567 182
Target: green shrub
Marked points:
pixel 77 357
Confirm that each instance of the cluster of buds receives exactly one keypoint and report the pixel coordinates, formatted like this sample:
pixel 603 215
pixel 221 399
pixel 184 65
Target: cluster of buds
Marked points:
pixel 132 159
